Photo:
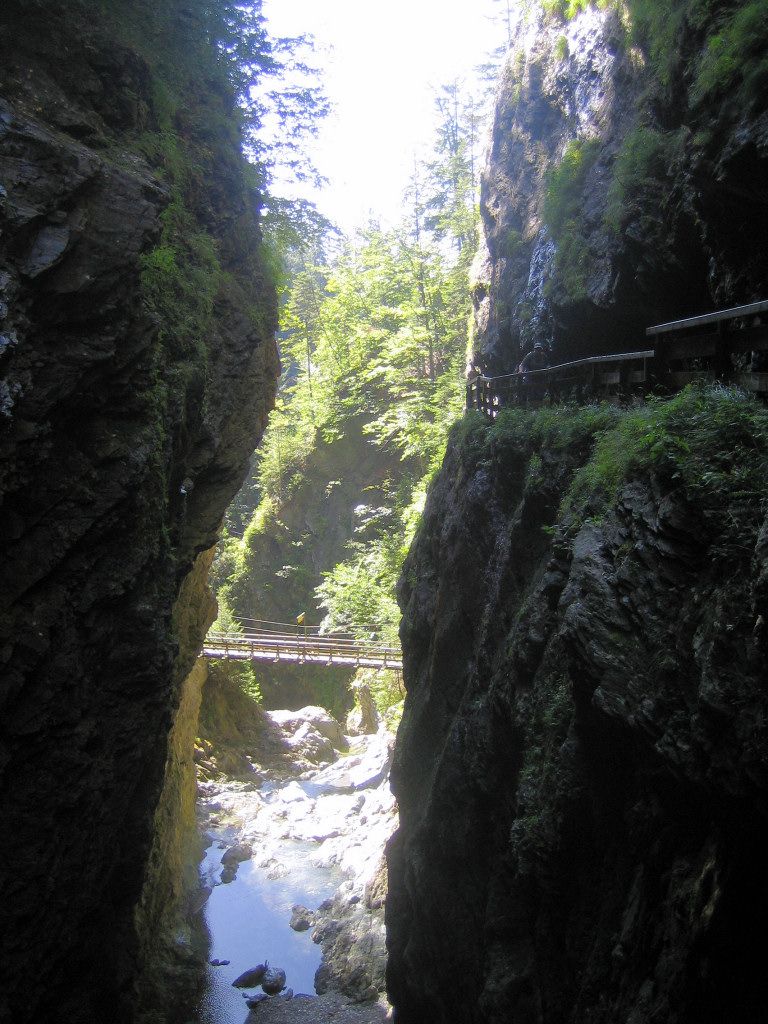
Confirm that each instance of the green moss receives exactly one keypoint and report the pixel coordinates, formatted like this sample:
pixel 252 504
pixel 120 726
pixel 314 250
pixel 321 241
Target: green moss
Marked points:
pixel 565 184
pixel 561 48
pixel 180 278
pixel 736 56
pixel 563 202
pixel 567 10
pixel 711 441
pixel 512 242
pixel 640 174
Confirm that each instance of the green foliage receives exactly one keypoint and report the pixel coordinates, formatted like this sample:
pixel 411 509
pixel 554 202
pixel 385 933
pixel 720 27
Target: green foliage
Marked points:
pixel 373 346
pixel 565 184
pixel 566 10
pixel 711 441
pixel 736 56
pixel 542 780
pixel 561 48
pixel 640 174
pixel 734 37
pixel 562 212
pixel 387 690
pixel 180 279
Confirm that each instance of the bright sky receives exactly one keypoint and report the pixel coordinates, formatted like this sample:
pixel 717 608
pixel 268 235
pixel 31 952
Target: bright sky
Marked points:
pixel 382 63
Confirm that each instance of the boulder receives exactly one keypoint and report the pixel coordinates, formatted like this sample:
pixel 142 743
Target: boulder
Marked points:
pixel 252 977
pixel 312 745
pixel 274 981
pixel 318 718
pixel 301 918
pixel 237 854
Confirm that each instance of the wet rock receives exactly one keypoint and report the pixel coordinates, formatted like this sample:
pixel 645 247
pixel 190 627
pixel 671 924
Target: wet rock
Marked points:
pixel 301 918
pixel 312 745
pixel 274 981
pixel 103 411
pixel 46 251
pixel 580 768
pixel 237 854
pixel 251 977
pixel 253 1001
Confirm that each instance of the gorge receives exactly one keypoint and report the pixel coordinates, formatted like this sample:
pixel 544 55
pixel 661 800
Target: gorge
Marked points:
pixel 580 769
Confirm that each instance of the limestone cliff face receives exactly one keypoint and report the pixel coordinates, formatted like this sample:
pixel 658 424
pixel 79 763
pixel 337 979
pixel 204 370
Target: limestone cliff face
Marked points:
pixel 624 183
pixel 136 356
pixel 582 766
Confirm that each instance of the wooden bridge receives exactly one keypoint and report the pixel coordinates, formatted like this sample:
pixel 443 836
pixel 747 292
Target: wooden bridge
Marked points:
pixel 280 642
pixel 707 347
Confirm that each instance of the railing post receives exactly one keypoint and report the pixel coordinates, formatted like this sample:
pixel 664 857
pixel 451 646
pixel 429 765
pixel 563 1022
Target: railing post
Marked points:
pixel 721 362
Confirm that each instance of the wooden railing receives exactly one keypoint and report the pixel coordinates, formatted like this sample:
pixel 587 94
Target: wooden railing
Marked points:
pixel 701 347
pixel 300 645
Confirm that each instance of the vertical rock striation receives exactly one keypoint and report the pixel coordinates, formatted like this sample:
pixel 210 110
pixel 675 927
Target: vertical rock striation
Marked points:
pixel 581 765
pixel 581 768
pixel 137 358
pixel 624 181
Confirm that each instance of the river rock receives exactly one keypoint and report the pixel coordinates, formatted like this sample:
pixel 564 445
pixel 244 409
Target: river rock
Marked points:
pixel 301 918
pixel 252 977
pixel 274 981
pixel 312 745
pixel 237 854
pixel 318 718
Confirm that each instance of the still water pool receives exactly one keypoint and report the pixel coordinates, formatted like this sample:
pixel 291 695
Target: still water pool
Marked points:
pixel 248 922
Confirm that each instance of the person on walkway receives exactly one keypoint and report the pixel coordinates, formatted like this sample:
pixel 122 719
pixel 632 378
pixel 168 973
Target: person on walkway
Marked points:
pixel 535 360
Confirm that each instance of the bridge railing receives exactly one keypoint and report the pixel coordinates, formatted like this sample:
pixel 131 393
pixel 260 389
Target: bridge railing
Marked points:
pixel 296 646
pixel 700 347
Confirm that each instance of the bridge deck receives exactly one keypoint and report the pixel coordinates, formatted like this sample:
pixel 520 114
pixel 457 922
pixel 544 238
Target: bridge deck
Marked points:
pixel 300 649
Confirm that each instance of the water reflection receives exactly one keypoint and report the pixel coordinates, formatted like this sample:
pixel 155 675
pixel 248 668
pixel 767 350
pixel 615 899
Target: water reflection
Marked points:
pixel 247 920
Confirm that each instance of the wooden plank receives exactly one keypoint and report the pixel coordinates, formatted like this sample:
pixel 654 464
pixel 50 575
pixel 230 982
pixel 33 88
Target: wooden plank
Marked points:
pixel 752 309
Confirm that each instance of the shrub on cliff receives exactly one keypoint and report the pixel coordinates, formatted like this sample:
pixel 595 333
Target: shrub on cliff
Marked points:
pixel 711 441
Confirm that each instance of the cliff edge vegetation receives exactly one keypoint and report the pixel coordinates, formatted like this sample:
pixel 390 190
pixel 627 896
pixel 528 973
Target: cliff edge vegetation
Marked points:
pixel 581 766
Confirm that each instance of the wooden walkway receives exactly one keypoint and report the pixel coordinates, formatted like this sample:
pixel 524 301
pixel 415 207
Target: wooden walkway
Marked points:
pixel 699 348
pixel 279 642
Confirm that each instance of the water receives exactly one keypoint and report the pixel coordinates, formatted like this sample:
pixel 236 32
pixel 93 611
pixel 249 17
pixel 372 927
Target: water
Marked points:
pixel 248 922
pixel 309 833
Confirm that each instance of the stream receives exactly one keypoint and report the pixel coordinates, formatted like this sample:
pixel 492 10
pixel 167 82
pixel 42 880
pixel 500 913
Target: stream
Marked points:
pixel 308 835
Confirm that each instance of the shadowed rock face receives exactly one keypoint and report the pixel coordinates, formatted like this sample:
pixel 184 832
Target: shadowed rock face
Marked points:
pixel 581 766
pixel 101 419
pixel 667 212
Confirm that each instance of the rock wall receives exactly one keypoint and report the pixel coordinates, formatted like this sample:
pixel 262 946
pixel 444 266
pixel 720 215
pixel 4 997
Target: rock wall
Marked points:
pixel 581 766
pixel 137 358
pixel 623 185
